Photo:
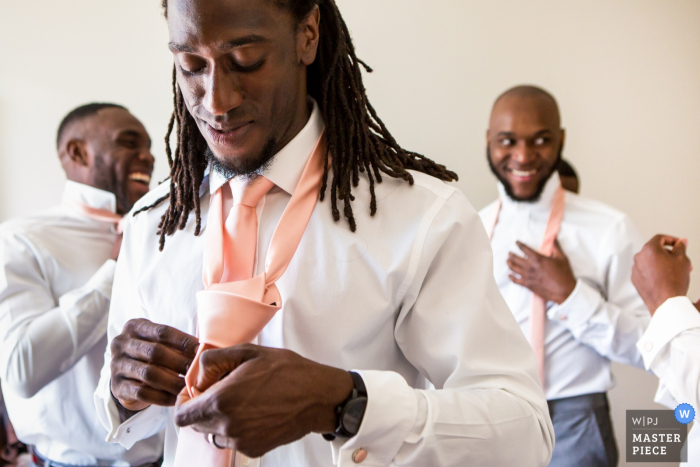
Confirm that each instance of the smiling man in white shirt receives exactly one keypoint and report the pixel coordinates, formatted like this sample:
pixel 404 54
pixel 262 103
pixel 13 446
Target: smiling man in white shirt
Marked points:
pixel 400 291
pixel 590 312
pixel 671 344
pixel 56 272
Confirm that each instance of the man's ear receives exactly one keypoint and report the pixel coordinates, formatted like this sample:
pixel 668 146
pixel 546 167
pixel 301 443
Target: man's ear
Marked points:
pixel 75 151
pixel 563 138
pixel 307 37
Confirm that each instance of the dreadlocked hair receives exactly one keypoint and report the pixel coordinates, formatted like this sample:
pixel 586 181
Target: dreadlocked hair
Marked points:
pixel 356 137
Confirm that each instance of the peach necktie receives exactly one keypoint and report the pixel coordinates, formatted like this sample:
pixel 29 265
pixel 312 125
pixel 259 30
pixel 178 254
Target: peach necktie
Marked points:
pixel 101 215
pixel 538 314
pixel 235 307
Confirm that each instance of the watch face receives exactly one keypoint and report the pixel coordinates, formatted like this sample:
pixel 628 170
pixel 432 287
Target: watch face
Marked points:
pixel 354 411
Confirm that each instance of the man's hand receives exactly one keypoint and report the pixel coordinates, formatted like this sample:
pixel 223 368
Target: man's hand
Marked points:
pixel 697 305
pixel 147 361
pixel 659 273
pixel 116 247
pixel 267 398
pixel 550 278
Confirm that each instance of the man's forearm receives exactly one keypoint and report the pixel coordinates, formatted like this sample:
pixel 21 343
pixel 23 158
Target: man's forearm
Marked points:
pixel 47 347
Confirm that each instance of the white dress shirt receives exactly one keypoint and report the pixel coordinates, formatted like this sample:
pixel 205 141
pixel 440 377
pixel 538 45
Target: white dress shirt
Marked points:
pixel 55 285
pixel 604 316
pixel 671 350
pixel 408 297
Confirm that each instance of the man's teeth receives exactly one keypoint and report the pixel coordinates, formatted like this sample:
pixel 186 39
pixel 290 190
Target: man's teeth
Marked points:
pixel 139 177
pixel 524 173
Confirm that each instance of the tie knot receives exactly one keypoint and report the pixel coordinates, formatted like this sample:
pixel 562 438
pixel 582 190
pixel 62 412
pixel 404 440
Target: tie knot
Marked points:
pixel 249 192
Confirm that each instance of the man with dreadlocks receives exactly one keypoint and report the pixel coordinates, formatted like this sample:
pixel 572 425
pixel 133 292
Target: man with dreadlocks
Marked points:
pixel 269 101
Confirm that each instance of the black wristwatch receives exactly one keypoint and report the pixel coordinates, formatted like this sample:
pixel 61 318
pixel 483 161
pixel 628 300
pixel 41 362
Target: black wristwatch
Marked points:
pixel 350 412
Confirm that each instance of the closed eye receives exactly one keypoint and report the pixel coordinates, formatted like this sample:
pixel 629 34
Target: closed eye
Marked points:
pixel 250 68
pixel 192 72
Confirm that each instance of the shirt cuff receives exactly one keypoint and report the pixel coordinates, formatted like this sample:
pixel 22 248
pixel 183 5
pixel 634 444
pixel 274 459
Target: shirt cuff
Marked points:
pixel 103 278
pixel 392 408
pixel 676 315
pixel 141 426
pixel 578 308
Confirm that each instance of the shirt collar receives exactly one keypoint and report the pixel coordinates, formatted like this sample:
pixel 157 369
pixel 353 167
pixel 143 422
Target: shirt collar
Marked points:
pixel 544 203
pixel 90 196
pixel 288 164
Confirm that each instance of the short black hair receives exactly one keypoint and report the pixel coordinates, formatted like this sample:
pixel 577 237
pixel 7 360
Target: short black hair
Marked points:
pixel 566 170
pixel 80 113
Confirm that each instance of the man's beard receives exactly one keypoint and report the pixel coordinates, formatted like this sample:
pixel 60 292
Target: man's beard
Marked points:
pixel 249 168
pixel 108 180
pixel 509 188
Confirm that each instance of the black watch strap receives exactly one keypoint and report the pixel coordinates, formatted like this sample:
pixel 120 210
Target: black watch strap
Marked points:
pixel 350 412
pixel 359 383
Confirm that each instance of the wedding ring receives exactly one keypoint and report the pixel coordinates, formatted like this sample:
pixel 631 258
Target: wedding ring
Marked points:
pixel 211 437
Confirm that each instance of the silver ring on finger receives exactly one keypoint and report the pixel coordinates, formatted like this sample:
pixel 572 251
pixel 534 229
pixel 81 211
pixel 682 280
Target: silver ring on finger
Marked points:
pixel 211 437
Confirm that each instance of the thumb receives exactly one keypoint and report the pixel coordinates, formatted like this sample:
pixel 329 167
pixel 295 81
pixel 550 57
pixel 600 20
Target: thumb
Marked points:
pixel 214 364
pixel 183 397
pixel 679 248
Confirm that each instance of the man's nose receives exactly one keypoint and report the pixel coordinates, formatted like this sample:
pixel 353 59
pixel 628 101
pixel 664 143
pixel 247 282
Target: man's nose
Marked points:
pixel 523 153
pixel 222 92
pixel 146 156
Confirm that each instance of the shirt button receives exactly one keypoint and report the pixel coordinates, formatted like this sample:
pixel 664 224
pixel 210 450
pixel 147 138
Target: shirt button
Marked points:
pixel 359 456
pixel 128 430
pixel 648 346
pixel 245 460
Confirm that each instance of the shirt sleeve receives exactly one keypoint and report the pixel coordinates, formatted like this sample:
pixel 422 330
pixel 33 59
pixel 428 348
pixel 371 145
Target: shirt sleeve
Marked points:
pixel 670 348
pixel 609 317
pixel 43 336
pixel 125 305
pixel 456 329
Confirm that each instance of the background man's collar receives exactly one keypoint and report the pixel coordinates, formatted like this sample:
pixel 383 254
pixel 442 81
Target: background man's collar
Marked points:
pixel 289 162
pixel 90 196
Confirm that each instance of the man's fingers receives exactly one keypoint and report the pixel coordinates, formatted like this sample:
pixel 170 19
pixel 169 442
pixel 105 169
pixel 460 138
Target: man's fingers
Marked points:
pixel 174 338
pixel 195 411
pixel 159 354
pixel 519 260
pixel 517 280
pixel 516 263
pixel 665 240
pixel 529 252
pixel 214 364
pixel 679 248
pixel 137 391
pixel 153 376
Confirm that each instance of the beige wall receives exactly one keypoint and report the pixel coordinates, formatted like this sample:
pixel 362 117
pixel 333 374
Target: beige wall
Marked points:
pixel 626 74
